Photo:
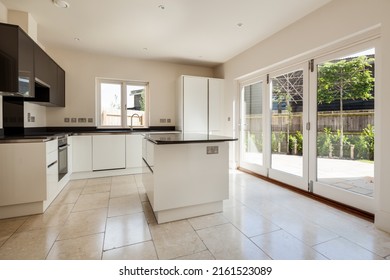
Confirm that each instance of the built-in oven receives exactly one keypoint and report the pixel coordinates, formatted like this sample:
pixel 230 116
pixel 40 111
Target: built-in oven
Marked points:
pixel 62 156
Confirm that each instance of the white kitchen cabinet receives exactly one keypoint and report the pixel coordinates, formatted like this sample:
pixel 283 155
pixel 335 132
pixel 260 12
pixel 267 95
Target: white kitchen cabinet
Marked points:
pixel 184 180
pixel 53 188
pixel 81 153
pixel 216 103
pixel 199 104
pixel 134 150
pixel 70 155
pixel 28 177
pixel 108 152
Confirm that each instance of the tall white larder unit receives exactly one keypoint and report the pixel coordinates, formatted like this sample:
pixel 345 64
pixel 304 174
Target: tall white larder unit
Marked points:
pixel 199 104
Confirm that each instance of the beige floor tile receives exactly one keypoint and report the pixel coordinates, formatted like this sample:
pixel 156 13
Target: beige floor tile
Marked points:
pixel 208 221
pixel 96 189
pixel 248 221
pixel 280 245
pixel 122 189
pixel 126 230
pixel 84 223
pixel 55 215
pixel 29 245
pixel 92 201
pixel 226 242
pixel 204 255
pixel 148 212
pixel 9 227
pixel 76 184
pixel 342 249
pixel 69 196
pixel 124 205
pixel 309 229
pixel 354 229
pixel 142 194
pixel 98 181
pixel 138 180
pixel 175 239
pixel 139 251
pixel 308 232
pixel 82 248
pixel 125 179
pixel 231 202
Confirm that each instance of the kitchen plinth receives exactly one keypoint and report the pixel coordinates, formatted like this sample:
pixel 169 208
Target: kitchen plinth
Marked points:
pixel 185 175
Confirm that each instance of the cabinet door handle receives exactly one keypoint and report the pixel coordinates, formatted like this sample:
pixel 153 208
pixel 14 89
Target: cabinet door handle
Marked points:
pixel 51 164
pixel 63 147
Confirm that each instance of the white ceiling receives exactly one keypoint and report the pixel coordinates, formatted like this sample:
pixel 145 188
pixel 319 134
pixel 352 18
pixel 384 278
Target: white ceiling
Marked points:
pixel 200 32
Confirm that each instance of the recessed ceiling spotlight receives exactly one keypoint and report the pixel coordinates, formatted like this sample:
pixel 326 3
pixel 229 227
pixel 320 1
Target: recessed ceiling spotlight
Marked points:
pixel 240 24
pixel 145 49
pixel 161 7
pixel 61 4
pixel 76 39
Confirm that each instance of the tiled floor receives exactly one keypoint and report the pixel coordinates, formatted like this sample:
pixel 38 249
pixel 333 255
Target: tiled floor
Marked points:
pixel 110 218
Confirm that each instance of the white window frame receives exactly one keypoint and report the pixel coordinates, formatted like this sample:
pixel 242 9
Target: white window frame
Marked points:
pixel 123 84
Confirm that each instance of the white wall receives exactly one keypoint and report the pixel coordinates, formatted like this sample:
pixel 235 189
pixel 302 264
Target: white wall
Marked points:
pixel 330 24
pixel 82 68
pixel 3 13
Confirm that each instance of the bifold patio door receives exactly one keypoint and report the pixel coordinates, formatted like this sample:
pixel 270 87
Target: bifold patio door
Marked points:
pixel 273 117
pixel 289 116
pixel 311 125
pixel 343 130
pixel 253 101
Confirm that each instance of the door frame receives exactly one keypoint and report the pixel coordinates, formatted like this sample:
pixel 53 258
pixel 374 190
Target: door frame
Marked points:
pixel 259 169
pixel 290 179
pixel 356 200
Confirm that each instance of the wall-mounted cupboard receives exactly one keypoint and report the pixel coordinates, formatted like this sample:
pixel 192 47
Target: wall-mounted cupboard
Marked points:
pixel 49 80
pixel 16 62
pixel 28 71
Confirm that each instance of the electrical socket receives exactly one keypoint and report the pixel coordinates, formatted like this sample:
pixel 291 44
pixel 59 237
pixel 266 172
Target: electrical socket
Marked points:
pixel 212 150
pixel 163 120
pixel 168 120
pixel 66 120
pixel 90 120
pixel 73 120
pixel 81 120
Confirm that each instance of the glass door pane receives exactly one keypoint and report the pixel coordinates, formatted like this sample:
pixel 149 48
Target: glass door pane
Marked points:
pixel 252 126
pixel 287 143
pixel 345 128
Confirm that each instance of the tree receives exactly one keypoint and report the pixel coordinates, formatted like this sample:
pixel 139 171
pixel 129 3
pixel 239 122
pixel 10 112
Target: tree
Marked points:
pixel 345 80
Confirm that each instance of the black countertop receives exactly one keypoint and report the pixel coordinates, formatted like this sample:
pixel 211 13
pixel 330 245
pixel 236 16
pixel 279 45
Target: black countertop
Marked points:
pixel 186 138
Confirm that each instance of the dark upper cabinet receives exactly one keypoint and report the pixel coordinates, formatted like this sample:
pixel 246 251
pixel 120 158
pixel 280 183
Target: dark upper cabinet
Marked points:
pixel 16 62
pixel 27 71
pixel 49 80
pixel 60 97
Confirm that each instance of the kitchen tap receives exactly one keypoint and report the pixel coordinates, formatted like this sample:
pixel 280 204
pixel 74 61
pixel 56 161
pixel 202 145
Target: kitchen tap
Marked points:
pixel 131 120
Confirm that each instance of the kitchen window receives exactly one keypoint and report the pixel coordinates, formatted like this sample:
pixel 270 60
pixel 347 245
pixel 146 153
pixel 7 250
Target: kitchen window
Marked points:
pixel 122 104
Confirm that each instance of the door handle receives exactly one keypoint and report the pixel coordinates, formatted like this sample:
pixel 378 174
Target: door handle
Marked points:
pixel 51 164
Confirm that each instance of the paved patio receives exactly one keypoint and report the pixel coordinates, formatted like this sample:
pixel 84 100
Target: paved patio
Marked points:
pixel 352 175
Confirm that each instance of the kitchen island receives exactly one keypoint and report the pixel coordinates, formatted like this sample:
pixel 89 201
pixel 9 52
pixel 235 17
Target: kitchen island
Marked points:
pixel 185 175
